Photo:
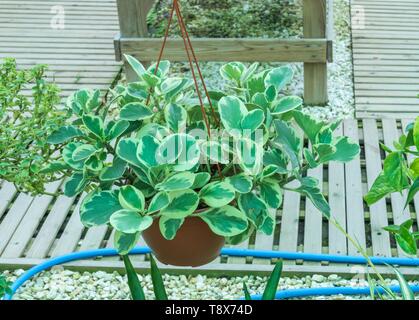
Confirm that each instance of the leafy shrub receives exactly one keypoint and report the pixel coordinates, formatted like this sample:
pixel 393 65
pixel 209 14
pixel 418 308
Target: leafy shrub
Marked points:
pixel 232 18
pixel 25 123
pixel 398 175
pixel 140 162
pixel 5 286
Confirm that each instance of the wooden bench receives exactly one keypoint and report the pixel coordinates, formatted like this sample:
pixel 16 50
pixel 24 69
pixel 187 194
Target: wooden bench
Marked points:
pixel 315 49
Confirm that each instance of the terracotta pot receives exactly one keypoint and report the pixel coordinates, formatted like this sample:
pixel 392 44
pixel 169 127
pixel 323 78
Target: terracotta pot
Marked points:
pixel 194 244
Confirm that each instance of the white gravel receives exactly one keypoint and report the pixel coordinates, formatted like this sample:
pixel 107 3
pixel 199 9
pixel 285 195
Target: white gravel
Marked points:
pixel 61 284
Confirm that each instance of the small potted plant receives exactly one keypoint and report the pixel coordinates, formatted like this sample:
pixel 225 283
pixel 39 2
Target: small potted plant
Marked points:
pixel 156 163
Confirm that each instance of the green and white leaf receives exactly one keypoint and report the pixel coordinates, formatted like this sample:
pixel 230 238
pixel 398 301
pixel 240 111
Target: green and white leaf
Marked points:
pixel 279 77
pixel 232 111
pixel 286 104
pixel 129 221
pixel 241 183
pixel 182 204
pixel 175 117
pixel 115 171
pixel 83 152
pixel 253 120
pixel 176 182
pixel 226 221
pixel 125 242
pixel 127 151
pixel 217 194
pixel 135 65
pixel 135 111
pixel 201 179
pixel 64 134
pixel 271 193
pixel 254 208
pixel 169 227
pixel 95 125
pixel 97 208
pixel 131 198
pixel 75 184
pixel 159 201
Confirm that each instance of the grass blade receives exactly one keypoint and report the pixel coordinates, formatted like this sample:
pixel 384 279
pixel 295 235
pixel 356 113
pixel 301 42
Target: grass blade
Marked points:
pixel 158 284
pixel 272 285
pixel 134 284
pixel 246 292
pixel 405 289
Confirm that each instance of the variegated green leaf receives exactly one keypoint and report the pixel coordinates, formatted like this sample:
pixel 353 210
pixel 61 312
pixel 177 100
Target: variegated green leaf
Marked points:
pixel 147 151
pixel 271 193
pixel 226 221
pixel 129 221
pixel 241 183
pixel 159 201
pixel 127 151
pixel 279 77
pixel 201 179
pixel 175 117
pixel 135 111
pixel 169 227
pixel 95 125
pixel 286 104
pixel 176 182
pixel 97 208
pixel 115 171
pixel 131 198
pixel 83 152
pixel 217 194
pixel 125 242
pixel 64 134
pixel 182 204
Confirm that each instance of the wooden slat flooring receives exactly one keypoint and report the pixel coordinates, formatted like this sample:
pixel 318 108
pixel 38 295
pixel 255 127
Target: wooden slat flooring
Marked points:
pixel 386 58
pixel 79 55
pixel 33 229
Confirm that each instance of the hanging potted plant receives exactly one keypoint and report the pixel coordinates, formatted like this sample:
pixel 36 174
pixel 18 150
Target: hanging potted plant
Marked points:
pixel 155 164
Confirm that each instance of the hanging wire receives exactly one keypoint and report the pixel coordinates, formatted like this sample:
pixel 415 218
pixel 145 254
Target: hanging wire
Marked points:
pixel 190 52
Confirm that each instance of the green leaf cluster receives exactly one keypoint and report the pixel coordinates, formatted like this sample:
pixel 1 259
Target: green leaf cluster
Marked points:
pixel 143 157
pixel 400 174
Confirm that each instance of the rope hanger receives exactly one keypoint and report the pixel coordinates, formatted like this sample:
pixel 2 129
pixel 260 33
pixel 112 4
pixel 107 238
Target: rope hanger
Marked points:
pixel 190 52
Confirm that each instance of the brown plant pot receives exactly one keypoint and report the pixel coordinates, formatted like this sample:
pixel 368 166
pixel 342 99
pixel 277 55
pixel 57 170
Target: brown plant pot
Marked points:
pixel 194 244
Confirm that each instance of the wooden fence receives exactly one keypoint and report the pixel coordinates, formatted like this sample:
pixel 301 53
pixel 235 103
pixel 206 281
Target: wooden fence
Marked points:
pixel 315 49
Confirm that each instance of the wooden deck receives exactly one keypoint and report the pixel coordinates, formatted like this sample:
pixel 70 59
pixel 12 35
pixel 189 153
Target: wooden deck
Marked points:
pixel 33 229
pixel 386 58
pixel 80 55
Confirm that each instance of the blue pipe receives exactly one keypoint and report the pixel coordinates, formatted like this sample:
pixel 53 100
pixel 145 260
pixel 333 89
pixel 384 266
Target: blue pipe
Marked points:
pixel 240 253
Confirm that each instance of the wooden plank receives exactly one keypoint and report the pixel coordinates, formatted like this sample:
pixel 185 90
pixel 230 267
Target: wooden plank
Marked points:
pixel 29 224
pixel 12 219
pixel 133 24
pixel 94 238
pixel 7 193
pixel 355 218
pixel 50 229
pixel 230 49
pixel 337 240
pixel 384 115
pixel 72 233
pixel 378 211
pixel 313 219
pixel 315 74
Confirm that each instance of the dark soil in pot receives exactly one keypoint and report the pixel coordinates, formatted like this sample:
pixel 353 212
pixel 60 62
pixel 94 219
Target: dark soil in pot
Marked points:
pixel 194 244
